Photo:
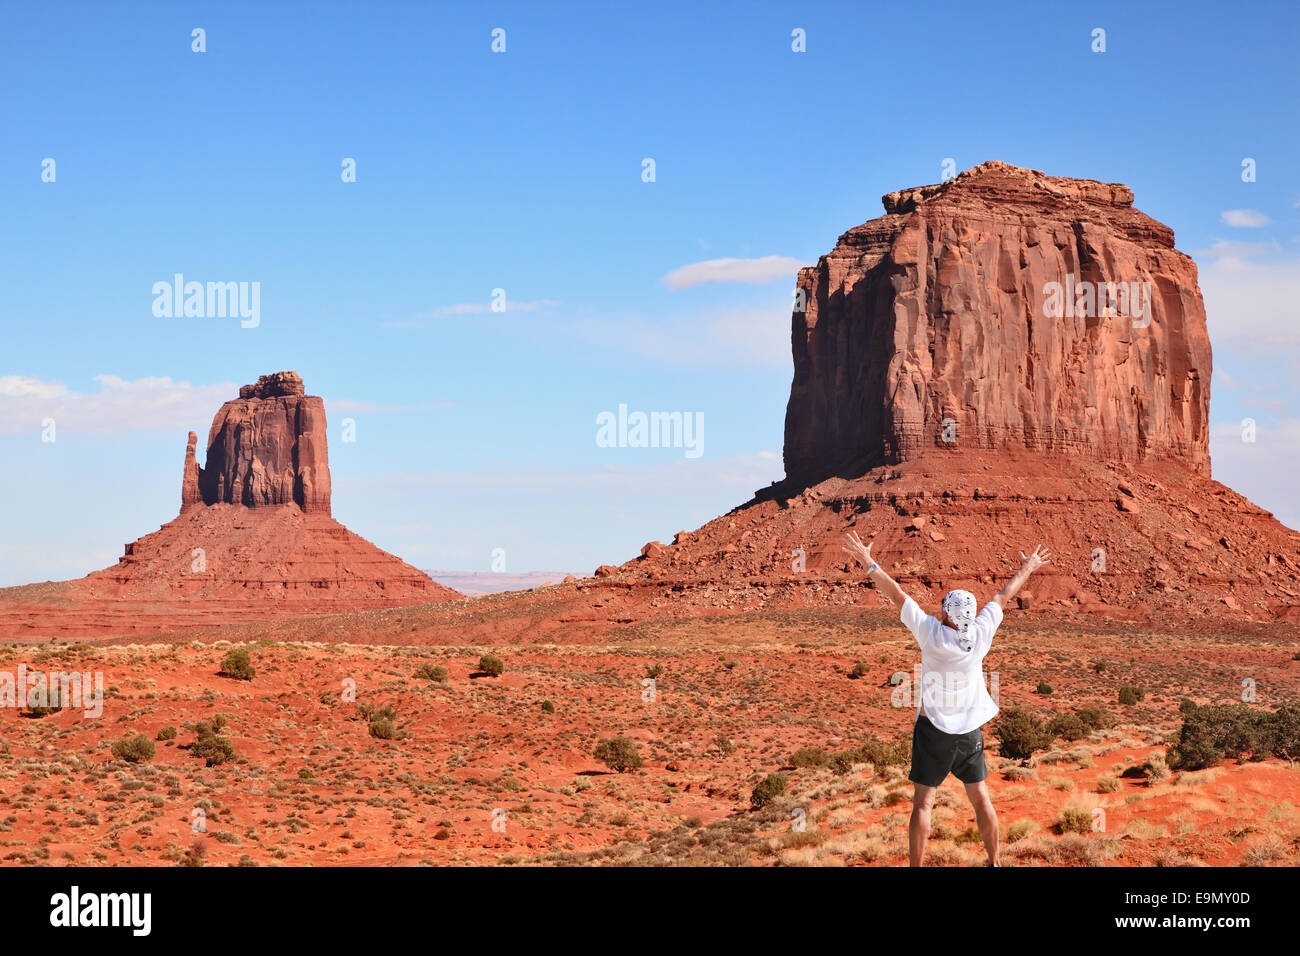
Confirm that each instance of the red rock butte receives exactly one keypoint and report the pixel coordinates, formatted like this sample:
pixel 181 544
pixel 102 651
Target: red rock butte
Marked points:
pixel 265 448
pixel 932 328
pixel 950 407
pixel 254 540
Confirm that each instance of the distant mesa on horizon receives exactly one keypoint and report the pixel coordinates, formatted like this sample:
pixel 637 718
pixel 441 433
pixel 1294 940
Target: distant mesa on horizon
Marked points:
pixel 475 583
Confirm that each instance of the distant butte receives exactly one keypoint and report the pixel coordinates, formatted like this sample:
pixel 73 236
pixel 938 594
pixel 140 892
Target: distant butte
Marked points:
pixel 254 539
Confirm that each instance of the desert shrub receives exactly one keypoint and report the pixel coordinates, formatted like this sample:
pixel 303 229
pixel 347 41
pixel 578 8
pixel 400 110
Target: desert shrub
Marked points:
pixel 236 664
pixel 771 787
pixel 1130 695
pixel 306 773
pixel 655 671
pixel 133 749
pixel 42 703
pixel 1186 706
pixel 881 754
pixel 1156 770
pixel 724 744
pixel 1215 731
pixel 431 672
pixel 1075 820
pixel 1094 718
pixel 548 707
pixel 491 665
pixel 809 757
pixel 878 753
pixel 1067 727
pixel 859 671
pixel 618 754
pixel 1044 688
pixel 1020 733
pixel 1098 667
pixel 1019 830
pixel 1285 731
pixel 383 728
pixel 167 733
pixel 1107 784
pixel 209 747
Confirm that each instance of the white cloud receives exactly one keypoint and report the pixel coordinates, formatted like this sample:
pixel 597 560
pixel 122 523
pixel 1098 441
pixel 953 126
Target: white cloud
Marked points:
pixel 1251 304
pixel 1263 470
pixel 764 269
pixel 1244 218
pixel 479 308
pixel 120 405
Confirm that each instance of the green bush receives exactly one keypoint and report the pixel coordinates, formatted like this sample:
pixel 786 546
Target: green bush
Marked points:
pixel 859 671
pixel 211 748
pixel 548 707
pixel 491 665
pixel 431 672
pixel 619 754
pixel 878 753
pixel 772 786
pixel 133 749
pixel 1215 731
pixel 1067 727
pixel 1286 731
pixel 1130 695
pixel 167 733
pixel 1044 688
pixel 1020 733
pixel 1094 718
pixel 654 672
pixel 809 757
pixel 236 664
pixel 53 700
pixel 306 773
pixel 383 728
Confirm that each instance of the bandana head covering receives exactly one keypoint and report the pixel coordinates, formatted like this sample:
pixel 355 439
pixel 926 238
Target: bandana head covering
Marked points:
pixel 960 608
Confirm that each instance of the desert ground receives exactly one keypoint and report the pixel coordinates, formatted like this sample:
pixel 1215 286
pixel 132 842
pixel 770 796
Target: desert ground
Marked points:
pixel 361 754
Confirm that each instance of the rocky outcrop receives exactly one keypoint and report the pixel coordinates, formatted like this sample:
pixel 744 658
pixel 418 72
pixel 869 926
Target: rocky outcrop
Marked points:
pixel 191 496
pixel 268 447
pixel 1003 308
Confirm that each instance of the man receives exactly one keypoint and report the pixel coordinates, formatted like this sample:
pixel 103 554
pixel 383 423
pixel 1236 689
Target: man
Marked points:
pixel 953 703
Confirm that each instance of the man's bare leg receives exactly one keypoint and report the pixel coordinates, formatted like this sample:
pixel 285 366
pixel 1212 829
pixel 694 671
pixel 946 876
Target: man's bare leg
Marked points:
pixel 987 818
pixel 918 828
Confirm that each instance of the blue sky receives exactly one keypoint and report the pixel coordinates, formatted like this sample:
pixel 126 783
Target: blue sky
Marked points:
pixel 522 171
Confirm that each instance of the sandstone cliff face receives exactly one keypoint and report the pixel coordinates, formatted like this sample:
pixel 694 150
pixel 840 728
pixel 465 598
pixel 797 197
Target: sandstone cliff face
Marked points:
pixel 937 327
pixel 267 447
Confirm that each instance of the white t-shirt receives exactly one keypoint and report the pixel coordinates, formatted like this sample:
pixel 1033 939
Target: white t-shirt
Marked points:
pixel 952 676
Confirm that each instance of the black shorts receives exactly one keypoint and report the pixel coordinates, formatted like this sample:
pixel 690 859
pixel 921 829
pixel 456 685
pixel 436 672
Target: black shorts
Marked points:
pixel 936 754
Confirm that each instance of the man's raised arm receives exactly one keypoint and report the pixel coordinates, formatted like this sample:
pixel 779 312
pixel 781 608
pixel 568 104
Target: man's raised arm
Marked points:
pixel 875 573
pixel 1031 564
